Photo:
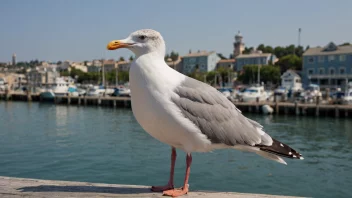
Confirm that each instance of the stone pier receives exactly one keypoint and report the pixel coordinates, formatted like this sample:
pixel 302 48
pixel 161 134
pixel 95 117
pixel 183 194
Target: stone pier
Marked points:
pixel 19 187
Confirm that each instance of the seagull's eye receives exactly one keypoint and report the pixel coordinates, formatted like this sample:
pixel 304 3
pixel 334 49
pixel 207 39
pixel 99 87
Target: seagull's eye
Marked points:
pixel 142 37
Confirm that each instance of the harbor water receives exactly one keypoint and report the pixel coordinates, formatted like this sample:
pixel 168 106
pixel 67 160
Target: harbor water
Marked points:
pixel 103 144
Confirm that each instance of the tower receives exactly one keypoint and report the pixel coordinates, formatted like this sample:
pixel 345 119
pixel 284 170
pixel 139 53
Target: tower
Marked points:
pixel 13 59
pixel 238 44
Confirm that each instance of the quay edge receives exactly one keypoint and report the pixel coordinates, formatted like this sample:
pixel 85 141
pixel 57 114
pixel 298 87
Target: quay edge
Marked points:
pixel 282 108
pixel 11 187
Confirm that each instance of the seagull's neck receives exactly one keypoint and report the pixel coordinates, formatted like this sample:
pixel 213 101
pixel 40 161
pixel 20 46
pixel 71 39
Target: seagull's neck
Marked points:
pixel 155 71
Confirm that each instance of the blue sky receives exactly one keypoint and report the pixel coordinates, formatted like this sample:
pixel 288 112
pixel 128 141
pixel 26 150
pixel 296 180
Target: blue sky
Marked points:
pixel 80 29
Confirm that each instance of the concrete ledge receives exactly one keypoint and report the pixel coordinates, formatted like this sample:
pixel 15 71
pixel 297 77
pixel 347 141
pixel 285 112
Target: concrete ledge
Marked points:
pixel 20 187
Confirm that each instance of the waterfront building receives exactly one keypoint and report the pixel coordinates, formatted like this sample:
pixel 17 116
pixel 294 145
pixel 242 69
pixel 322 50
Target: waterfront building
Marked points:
pixel 96 63
pixel 329 66
pixel 94 68
pixel 291 80
pixel 79 66
pixel 19 80
pixel 43 75
pixel 67 65
pixel 110 65
pixel 124 65
pixel 254 58
pixel 177 64
pixel 12 80
pixel 88 63
pixel 226 63
pixel 202 61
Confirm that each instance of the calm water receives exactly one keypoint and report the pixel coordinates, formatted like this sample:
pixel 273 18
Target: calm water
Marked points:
pixel 107 145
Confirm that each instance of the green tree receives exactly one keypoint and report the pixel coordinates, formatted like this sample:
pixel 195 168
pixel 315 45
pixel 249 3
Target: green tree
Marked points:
pixel 261 47
pixel 290 50
pixel 22 64
pixel 247 50
pixel 268 49
pixel 64 73
pixel 299 51
pixel 131 58
pixel 224 73
pixel 279 51
pixel 268 73
pixel 167 56
pixel 121 59
pixel 265 49
pixel 124 76
pixel 289 62
pixel 210 77
pixel 174 56
pixel 345 44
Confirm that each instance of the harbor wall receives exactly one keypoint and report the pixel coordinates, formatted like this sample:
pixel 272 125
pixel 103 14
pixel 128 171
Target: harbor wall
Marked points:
pixel 280 108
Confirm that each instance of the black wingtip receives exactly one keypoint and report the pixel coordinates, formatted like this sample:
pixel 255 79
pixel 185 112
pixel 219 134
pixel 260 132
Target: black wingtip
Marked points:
pixel 281 149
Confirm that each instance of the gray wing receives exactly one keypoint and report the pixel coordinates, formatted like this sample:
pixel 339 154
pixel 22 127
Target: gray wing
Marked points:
pixel 216 116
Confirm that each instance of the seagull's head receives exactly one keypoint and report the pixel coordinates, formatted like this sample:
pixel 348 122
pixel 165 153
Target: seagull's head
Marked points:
pixel 141 42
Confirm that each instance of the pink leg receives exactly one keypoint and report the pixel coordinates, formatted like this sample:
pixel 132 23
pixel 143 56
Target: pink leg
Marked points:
pixel 184 189
pixel 170 184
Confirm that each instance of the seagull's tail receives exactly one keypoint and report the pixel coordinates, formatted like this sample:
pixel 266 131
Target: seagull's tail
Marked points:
pixel 278 150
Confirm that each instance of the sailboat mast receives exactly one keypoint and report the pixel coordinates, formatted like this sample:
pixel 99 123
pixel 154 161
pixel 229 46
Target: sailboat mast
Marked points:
pixel 103 72
pixel 258 74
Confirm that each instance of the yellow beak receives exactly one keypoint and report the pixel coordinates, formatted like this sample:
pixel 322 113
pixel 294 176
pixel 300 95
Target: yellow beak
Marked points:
pixel 116 44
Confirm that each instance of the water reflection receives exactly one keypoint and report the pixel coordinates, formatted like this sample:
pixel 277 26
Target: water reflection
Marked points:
pixel 61 115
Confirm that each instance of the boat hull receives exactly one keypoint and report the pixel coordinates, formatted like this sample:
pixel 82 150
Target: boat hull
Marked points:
pixel 47 95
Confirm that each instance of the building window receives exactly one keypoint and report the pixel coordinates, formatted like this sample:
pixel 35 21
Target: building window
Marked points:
pixel 331 57
pixel 310 59
pixel 342 70
pixel 332 71
pixel 321 58
pixel 321 71
pixel 342 58
pixel 310 71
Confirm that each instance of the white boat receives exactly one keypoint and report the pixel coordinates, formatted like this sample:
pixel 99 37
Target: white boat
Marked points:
pixel 99 91
pixel 81 92
pixel 3 84
pixel 252 93
pixel 280 93
pixel 122 91
pixel 95 91
pixel 311 93
pixel 227 92
pixel 59 88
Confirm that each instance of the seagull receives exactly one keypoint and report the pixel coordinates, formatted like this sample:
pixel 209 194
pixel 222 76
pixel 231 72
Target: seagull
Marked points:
pixel 188 114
